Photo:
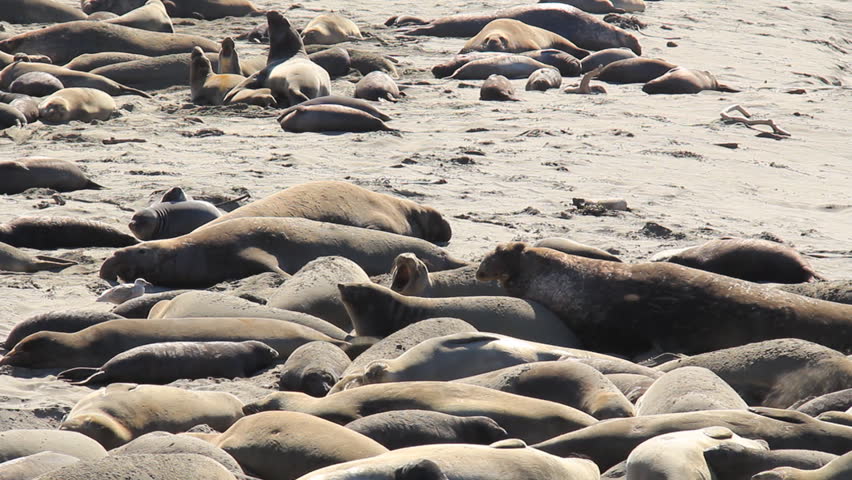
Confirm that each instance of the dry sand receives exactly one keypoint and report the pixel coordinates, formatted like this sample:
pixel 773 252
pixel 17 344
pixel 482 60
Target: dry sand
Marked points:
pixel 500 171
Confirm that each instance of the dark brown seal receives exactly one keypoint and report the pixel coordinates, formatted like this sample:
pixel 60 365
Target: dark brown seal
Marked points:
pixel 499 88
pixel 409 428
pixel 59 321
pixel 634 70
pixel 48 233
pixel 43 172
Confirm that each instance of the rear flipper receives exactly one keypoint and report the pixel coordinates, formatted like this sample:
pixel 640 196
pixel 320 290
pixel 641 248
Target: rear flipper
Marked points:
pixel 48 263
pixel 82 375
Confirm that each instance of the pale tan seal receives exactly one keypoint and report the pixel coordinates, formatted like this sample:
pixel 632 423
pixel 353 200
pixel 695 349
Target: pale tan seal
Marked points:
pixel 313 368
pixel 509 66
pixel 32 466
pixel 680 80
pixel 151 16
pixel 199 9
pixel 544 79
pixel 43 172
pixel 21 443
pixel 90 61
pixel 120 412
pixel 498 88
pixel 330 118
pixel 508 35
pixel 186 466
pixel 838 469
pixel 410 276
pixel 81 104
pixel 38 11
pixel 15 260
pixel 206 87
pixel 69 78
pixel 164 443
pixel 689 389
pixel 409 428
pixel 330 28
pixel 571 247
pixel 376 86
pixel 56 321
pixel 736 462
pixel 229 59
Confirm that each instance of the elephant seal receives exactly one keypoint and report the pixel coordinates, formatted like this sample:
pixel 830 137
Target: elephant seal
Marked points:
pixel 186 466
pixel 410 428
pixel 593 296
pixel 594 6
pixel 206 87
pixel 69 78
pixel 681 80
pixel 610 442
pixel 38 11
pixel 165 443
pixel 365 62
pixel 229 59
pixel 67 321
pixel 261 97
pixel 94 37
pixel 139 307
pixel 529 419
pixel 377 311
pixel 80 104
pixel 161 363
pixel 118 413
pixel 49 233
pixel 155 73
pixel 289 74
pixel 348 204
pixel 313 368
pixel 513 36
pixel 330 28
pixel 566 64
pixel 377 86
pixel 840 418
pixel 16 105
pixel 632 385
pixel 634 70
pixel 839 400
pixel 11 117
pixel 90 61
pixel 680 455
pixel 567 382
pixel 509 66
pixel 330 118
pixel 287 445
pixel 754 260
pixel 174 215
pixel 95 345
pixel 204 9
pixel 571 247
pixel 512 458
pixel 839 291
pixel 22 443
pixel 151 16
pixel 733 461
pixel 32 466
pixel 837 469
pixel 36 84
pixel 499 88
pixel 410 276
pixel 336 61
pixel 338 100
pixel 15 260
pixel 605 57
pixel 247 246
pixel 584 30
pixel 313 290
pixel 19 175
pixel 544 79
pixel 689 389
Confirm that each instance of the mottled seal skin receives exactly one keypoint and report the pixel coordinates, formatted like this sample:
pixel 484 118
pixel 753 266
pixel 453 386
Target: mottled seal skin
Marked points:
pixel 145 467
pixel 581 28
pixel 571 247
pixel 15 260
pixel 313 368
pixel 90 61
pixel 593 296
pixel 499 88
pixel 330 118
pixel 410 428
pixel 151 16
pixel 529 419
pixel 732 461
pixel 38 11
pixel 410 276
pixel 31 466
pixel 335 61
pixel 48 233
pixel 544 79
pixel 206 87
pixel 509 66
pixel 21 443
pixel 287 445
pixel 754 260
pixel 610 442
pixel 839 400
pixel 348 204
pixel 338 100
pixel 96 37
pixel 634 70
pixel 164 443
pixel 689 389
pixel 58 321
pixel 513 36
pixel 377 86
pixel 19 175
pixel 377 311
pixel 838 469
pixel 174 215
pixel 247 246
pixel 69 78
pixel 330 28
pixel 76 104
pixel 95 345
pixel 206 9
pixel 120 412
pixel 775 373
pixel 605 57
pixel 681 80
pixel 36 84
pixel 570 383
pixel 161 363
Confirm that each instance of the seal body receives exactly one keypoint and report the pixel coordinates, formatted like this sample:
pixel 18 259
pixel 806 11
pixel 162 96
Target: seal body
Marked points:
pixel 90 61
pixel 36 84
pixel 355 103
pixel 409 428
pixel 336 61
pixel 206 9
pixel 56 321
pixel 206 87
pixel 497 87
pixel 38 11
pixel 689 389
pixel 21 443
pixel 376 86
pixel 330 118
pixel 313 368
pixel 508 35
pixel 83 104
pixel 544 79
pixel 19 175
pixel 681 80
pixel 48 233
pixel 69 78
pixel 164 443
pixel 151 16
pixel 508 66
pixel 634 70
pixel 571 247
pixel 736 462
pixel 836 469
pixel 605 57
pixel 145 467
pixel 330 28
pixel 172 217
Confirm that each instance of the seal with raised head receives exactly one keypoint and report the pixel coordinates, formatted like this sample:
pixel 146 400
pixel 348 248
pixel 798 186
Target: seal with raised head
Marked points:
pixel 247 246
pixel 174 215
pixel 330 28
pixel 313 368
pixel 206 87
pixel 513 36
pixel 80 104
pixel 15 260
pixel 409 428
pixel 48 233
pixel 229 59
pixel 689 389
pixel 672 307
pixel 69 78
pixel 499 88
pixel 151 16
pixel 733 461
pixel 680 80
pixel 634 70
pixel 410 276
pixel 377 86
pixel 509 66
pixel 43 172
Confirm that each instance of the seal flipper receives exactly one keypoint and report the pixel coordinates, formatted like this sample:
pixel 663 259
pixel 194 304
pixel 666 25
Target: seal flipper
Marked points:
pixel 46 263
pixel 254 81
pixel 79 374
pixel 789 416
pixel 724 88
pixel 90 185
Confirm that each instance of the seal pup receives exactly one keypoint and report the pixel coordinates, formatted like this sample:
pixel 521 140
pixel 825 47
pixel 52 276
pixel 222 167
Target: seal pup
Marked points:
pixel 69 78
pixel 733 461
pixel 634 70
pixel 544 79
pixel 15 260
pixel 206 87
pixel 81 104
pixel 49 233
pixel 19 175
pixel 571 247
pixel 593 296
pixel 67 321
pixel 508 35
pixel 24 442
pixel 754 260
pixel 410 428
pixel 330 28
pixel 689 389
pixel 680 80
pixel 161 363
pixel 151 16
pixel 498 87
pixel 187 466
pixel 567 65
pixel 377 311
pixel 509 66
pixel 229 59
pixel 15 105
pixel 410 276
pixel 38 11
pixel 345 203
pixel 377 86
pixel 837 469
pixel 526 418
pixel 36 84
pixel 174 215
pixel 330 118
pixel 313 368
pixel 338 100
pixel 247 246
pixel 124 292
pixel 10 116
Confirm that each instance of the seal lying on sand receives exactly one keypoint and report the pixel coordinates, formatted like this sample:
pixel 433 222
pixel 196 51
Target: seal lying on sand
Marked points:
pixel 174 215
pixel 43 172
pixel 14 260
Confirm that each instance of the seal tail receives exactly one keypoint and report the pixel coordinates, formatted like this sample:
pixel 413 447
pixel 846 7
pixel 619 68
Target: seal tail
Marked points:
pixel 51 262
pixel 724 88
pixel 133 91
pixel 90 185
pixel 80 375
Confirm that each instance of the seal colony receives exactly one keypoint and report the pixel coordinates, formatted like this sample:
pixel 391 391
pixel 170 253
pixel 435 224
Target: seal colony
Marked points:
pixel 319 323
